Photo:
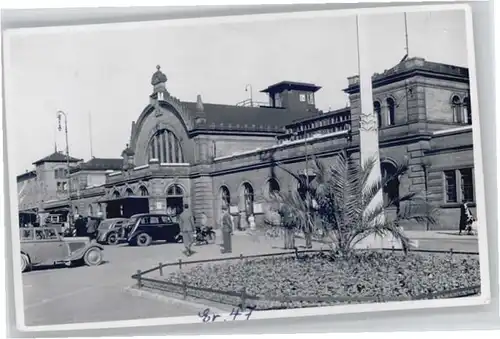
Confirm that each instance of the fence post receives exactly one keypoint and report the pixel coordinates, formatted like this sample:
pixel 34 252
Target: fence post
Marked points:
pixel 241 256
pixel 180 263
pixel 139 276
pixel 160 267
pixel 451 251
pixel 184 288
pixel 392 250
pixel 243 297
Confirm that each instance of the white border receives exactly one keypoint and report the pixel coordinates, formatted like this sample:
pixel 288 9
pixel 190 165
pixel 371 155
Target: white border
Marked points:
pixel 341 309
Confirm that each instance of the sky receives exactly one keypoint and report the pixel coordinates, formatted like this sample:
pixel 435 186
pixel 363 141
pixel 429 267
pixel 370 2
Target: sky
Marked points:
pixel 100 75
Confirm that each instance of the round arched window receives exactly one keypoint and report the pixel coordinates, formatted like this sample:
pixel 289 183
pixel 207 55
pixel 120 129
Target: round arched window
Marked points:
pixel 166 147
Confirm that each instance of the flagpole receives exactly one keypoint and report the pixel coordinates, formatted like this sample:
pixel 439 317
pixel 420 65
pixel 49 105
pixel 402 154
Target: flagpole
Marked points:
pixel 406 36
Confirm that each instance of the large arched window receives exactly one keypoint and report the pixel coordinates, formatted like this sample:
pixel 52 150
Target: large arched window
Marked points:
pixel 377 108
pixel 456 106
pixel 175 191
pixel 91 210
pixel 166 147
pixel 391 189
pixel 129 192
pixel 391 112
pixel 467 112
pixel 116 194
pixel 143 191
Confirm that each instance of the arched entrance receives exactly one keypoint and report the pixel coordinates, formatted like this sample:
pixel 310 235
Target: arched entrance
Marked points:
pixel 391 189
pixel 224 200
pixel 175 199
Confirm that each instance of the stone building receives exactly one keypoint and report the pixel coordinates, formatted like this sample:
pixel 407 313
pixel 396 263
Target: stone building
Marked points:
pixel 202 156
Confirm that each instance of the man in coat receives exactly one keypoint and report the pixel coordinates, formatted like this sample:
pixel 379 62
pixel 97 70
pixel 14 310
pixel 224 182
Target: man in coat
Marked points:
pixel 186 224
pixel 227 230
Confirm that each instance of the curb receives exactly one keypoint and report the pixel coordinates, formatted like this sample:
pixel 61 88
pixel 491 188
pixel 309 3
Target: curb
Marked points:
pixel 170 300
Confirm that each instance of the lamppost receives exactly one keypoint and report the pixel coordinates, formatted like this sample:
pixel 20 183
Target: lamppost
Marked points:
pixel 59 115
pixel 251 93
pixel 307 233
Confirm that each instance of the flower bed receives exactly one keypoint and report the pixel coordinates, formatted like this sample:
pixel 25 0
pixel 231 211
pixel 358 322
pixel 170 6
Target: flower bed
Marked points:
pixel 367 277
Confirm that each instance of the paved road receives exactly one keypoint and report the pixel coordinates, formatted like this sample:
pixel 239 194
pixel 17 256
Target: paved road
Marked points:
pixel 88 294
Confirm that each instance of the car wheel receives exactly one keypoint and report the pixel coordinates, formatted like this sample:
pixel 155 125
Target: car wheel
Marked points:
pixel 93 257
pixel 143 239
pixel 112 239
pixel 25 263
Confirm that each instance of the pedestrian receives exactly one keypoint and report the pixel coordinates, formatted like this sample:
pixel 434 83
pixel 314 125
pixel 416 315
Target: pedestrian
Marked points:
pixel 466 220
pixel 80 226
pixel 227 230
pixel 91 228
pixel 187 225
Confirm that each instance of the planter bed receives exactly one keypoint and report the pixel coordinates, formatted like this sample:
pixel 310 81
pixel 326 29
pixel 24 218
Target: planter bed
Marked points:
pixel 318 280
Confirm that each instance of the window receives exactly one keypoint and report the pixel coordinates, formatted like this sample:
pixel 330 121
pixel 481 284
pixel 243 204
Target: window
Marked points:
pixel 143 191
pixel 450 186
pixel 50 234
pixel 277 100
pixel 378 112
pixel 456 106
pixel 129 192
pixel 154 220
pixel 467 185
pixel 391 112
pixel 60 173
pixel 62 186
pixel 310 98
pixel 165 219
pixel 302 97
pixel 39 234
pixel 26 234
pixel 273 187
pixel 83 181
pixel 166 147
pixel 459 185
pixel 466 112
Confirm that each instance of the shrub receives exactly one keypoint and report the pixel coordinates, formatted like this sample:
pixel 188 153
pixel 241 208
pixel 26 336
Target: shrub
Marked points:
pixel 365 276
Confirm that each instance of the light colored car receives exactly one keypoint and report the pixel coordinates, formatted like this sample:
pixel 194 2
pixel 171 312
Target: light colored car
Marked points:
pixel 44 246
pixel 111 231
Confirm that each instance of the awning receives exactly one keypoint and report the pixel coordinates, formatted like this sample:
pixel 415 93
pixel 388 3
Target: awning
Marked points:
pixel 106 200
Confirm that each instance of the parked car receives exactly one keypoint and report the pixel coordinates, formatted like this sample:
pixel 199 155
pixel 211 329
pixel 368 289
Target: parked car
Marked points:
pixel 43 245
pixel 143 229
pixel 111 231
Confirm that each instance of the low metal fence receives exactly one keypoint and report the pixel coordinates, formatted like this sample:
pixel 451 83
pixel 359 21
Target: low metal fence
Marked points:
pixel 242 298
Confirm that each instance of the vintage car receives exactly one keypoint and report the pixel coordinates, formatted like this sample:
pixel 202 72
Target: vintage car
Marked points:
pixel 44 246
pixel 143 229
pixel 111 231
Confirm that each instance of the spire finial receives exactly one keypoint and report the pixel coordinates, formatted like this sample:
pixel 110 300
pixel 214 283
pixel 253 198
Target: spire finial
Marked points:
pixel 158 77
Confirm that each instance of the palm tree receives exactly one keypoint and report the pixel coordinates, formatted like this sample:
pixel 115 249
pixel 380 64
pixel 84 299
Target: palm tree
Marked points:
pixel 346 208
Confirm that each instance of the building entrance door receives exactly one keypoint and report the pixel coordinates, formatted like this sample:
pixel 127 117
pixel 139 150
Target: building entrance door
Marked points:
pixel 175 200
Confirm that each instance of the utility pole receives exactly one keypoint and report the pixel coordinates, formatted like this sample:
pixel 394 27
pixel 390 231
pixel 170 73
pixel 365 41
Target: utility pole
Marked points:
pixel 59 115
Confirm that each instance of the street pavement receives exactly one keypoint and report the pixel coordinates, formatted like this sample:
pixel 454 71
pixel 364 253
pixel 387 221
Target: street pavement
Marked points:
pixel 90 294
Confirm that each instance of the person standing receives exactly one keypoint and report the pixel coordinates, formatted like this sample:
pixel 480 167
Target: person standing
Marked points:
pixel 466 219
pixel 187 229
pixel 227 230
